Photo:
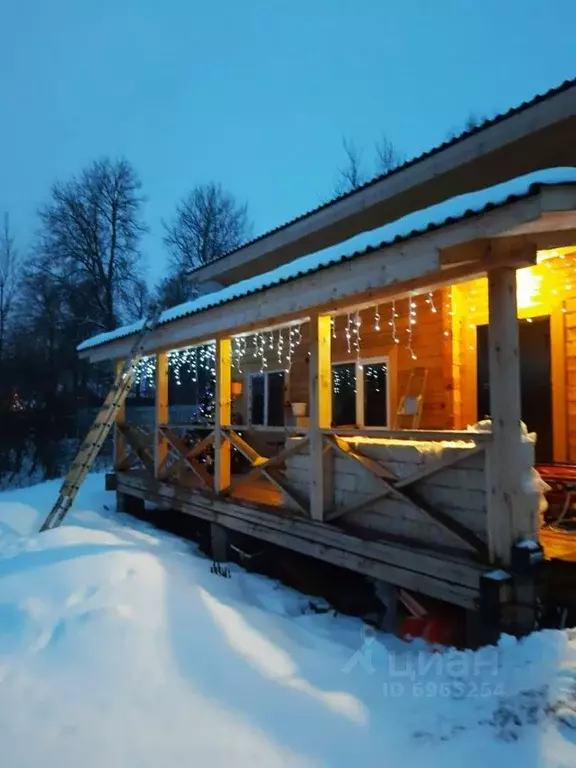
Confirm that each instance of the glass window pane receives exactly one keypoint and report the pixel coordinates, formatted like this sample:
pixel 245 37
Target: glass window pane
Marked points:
pixel 344 395
pixel 375 394
pixel 257 399
pixel 275 382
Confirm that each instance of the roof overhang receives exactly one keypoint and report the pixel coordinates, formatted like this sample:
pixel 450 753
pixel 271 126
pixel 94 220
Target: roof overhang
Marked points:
pixel 538 134
pixel 508 234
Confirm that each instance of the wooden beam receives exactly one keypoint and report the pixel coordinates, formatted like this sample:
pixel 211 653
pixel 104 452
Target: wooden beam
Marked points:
pixel 505 508
pixel 160 411
pixel 119 438
pixel 140 443
pixel 188 456
pixel 320 389
pixel 198 449
pixel 222 472
pixel 529 138
pixel 559 382
pixel 267 468
pixel 412 434
pixel 262 464
pixel 405 494
pixel 454 580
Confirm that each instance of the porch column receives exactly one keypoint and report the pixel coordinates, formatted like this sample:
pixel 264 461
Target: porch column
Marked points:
pixel 223 414
pixel 119 439
pixel 160 412
pixel 320 386
pixel 506 510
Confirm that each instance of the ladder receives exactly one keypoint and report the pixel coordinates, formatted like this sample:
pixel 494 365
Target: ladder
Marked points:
pixel 409 410
pixel 99 430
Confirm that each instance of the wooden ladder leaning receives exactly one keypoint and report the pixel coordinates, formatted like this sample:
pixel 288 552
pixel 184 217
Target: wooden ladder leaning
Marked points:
pixel 98 432
pixel 409 410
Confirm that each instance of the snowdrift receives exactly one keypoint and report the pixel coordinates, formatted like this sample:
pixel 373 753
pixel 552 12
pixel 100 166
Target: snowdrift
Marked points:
pixel 119 647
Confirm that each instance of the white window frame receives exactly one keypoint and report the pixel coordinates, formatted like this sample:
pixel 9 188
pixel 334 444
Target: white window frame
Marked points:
pixel 265 373
pixel 359 373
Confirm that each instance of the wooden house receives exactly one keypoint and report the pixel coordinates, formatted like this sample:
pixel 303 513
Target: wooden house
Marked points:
pixel 380 367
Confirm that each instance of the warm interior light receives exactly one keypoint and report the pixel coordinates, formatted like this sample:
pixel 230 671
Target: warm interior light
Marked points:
pixel 236 388
pixel 527 287
pixel 545 255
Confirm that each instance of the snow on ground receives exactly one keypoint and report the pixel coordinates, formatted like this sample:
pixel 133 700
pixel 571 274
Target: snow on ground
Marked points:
pixel 119 647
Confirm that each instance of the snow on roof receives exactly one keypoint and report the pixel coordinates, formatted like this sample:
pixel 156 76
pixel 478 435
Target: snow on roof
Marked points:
pixel 486 123
pixel 416 223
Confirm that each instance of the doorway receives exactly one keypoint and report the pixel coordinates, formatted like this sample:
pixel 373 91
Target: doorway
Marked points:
pixel 535 381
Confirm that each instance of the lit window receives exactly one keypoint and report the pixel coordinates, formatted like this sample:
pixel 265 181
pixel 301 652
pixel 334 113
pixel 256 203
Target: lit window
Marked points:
pixel 266 399
pixel 360 394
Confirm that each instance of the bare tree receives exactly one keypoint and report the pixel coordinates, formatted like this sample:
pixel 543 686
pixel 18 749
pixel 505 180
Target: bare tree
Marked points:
pixel 89 242
pixel 350 174
pixel 8 279
pixel 472 121
pixel 138 305
pixel 387 156
pixel 209 222
pixel 175 289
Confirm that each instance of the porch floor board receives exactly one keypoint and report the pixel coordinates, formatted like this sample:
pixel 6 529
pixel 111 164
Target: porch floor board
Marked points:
pixel 558 545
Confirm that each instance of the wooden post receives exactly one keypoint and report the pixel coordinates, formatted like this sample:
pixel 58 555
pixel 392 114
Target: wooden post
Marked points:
pixel 559 381
pixel 320 378
pixel 223 414
pixel 119 439
pixel 219 543
pixel 505 508
pixel 160 411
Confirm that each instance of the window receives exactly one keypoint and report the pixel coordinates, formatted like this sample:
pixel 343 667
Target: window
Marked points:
pixel 266 399
pixel 360 393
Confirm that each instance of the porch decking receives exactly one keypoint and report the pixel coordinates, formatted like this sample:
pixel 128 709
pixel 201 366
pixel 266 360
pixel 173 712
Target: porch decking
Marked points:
pixel 448 577
pixel 558 545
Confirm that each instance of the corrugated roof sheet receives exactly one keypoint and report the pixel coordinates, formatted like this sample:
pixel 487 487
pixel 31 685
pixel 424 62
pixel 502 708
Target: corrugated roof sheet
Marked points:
pixel 412 225
pixel 418 158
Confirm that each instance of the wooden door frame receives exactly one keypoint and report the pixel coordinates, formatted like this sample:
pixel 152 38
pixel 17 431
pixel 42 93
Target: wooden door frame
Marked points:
pixel 469 373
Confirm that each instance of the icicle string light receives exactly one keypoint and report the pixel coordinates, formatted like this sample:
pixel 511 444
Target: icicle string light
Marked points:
pixel 349 333
pixel 262 353
pixel 392 323
pixel 356 331
pixel 377 318
pixel 290 350
pixel 410 329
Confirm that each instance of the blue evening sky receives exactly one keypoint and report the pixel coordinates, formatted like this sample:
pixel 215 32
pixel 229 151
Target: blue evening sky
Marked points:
pixel 255 94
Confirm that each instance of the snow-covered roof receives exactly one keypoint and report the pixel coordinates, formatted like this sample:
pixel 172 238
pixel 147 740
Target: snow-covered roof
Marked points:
pixel 480 126
pixel 417 223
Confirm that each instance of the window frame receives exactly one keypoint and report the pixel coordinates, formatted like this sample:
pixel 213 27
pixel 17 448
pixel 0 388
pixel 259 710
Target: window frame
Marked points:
pixel 265 373
pixel 360 402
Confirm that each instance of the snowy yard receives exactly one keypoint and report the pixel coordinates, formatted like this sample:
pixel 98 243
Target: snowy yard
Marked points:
pixel 119 647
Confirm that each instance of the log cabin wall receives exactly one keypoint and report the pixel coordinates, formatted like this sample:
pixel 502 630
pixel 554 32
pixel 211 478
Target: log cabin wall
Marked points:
pixel 431 346
pixel 548 289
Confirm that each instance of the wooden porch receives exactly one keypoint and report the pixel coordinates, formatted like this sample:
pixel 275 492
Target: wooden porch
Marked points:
pixel 364 474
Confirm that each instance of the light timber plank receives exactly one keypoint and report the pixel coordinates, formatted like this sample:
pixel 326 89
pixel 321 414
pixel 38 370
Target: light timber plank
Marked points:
pixel 320 386
pixel 559 383
pixel 161 411
pixel 504 502
pixel 449 579
pixel 196 451
pixel 188 456
pixel 222 473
